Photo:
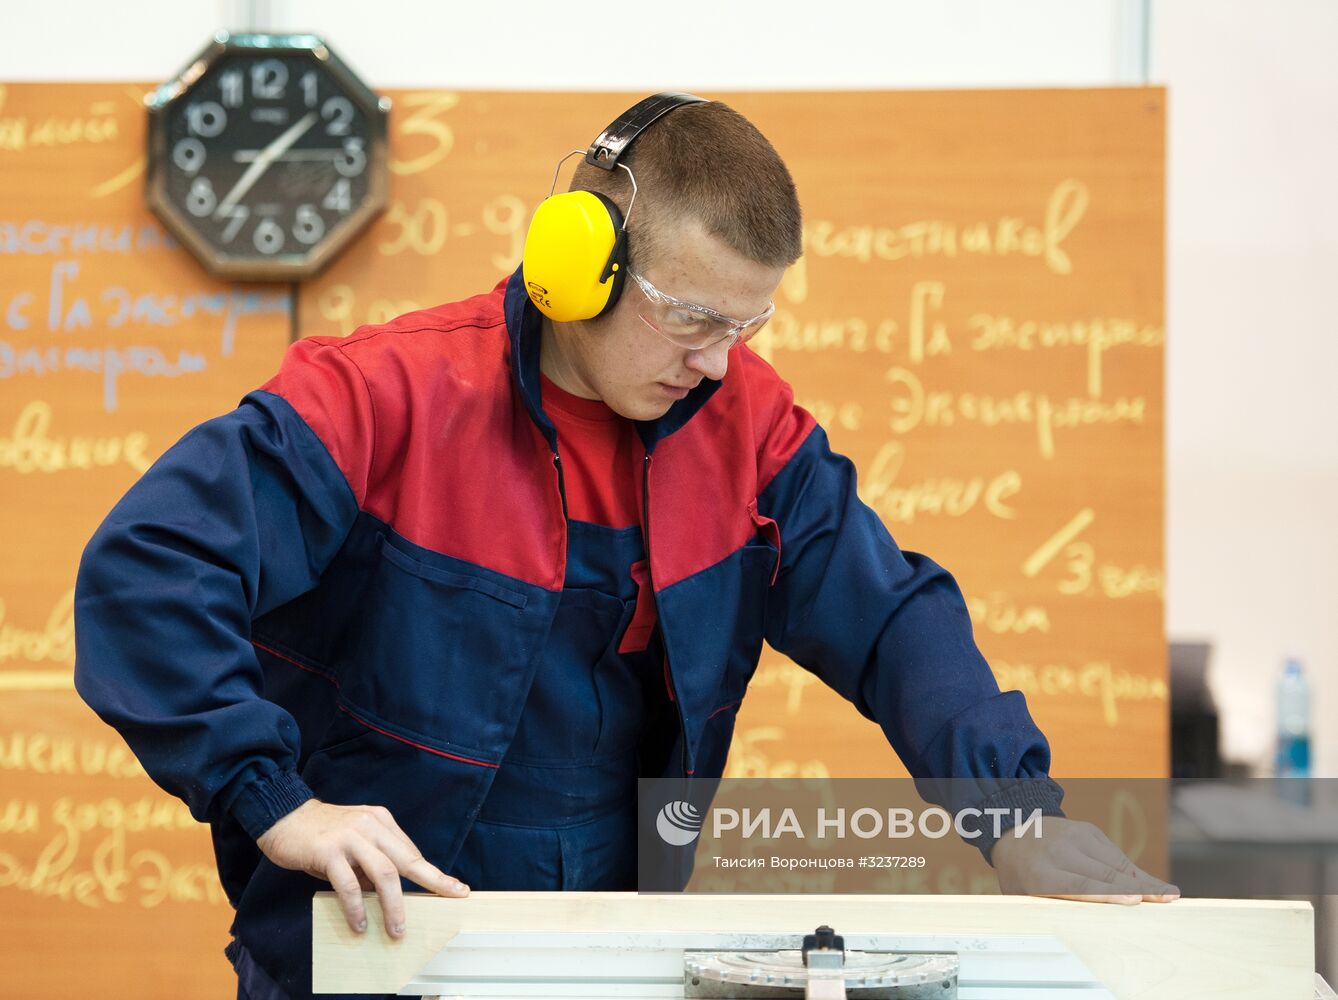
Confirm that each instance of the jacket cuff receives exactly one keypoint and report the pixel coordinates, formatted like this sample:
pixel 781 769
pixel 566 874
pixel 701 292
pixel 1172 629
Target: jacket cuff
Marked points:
pixel 267 799
pixel 1024 796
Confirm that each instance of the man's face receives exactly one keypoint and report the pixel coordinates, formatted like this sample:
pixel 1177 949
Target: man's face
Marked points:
pixel 632 368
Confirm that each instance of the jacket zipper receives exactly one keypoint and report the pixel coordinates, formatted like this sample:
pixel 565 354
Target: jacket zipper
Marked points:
pixel 650 586
pixel 562 485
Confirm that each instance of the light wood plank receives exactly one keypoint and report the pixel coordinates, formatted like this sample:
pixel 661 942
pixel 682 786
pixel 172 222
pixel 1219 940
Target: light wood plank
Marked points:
pixel 1219 949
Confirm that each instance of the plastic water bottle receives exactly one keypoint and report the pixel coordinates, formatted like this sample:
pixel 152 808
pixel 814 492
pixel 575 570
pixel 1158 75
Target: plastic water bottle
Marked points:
pixel 1293 725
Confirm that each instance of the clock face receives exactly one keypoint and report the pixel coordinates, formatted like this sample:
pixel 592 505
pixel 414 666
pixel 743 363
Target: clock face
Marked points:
pixel 268 160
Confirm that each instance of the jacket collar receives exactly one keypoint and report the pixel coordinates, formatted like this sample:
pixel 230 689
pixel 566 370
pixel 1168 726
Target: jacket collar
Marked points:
pixel 524 327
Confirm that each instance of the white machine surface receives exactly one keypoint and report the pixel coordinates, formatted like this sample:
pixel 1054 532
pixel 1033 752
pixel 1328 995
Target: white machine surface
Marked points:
pixel 656 966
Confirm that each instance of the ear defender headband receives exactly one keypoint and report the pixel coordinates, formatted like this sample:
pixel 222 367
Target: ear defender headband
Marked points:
pixel 575 252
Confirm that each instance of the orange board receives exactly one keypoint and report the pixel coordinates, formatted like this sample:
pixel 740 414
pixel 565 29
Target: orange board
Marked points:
pixel 977 320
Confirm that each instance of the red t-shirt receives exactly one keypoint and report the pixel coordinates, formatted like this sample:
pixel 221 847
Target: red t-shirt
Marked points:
pixel 601 458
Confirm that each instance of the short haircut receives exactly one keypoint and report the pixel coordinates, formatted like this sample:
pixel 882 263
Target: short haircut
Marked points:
pixel 704 161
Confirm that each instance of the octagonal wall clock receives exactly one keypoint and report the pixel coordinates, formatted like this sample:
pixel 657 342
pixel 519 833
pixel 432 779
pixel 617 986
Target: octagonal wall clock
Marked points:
pixel 267 156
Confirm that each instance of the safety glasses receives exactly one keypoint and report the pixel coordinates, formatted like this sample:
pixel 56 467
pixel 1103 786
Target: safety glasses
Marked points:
pixel 691 326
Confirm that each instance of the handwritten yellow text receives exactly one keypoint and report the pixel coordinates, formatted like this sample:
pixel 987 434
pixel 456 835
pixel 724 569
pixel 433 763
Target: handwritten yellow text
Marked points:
pixel 793 679
pixel 87 858
pixel 1098 680
pixel 41 753
pixel 914 406
pixel 1082 573
pixel 993 332
pixel 424 131
pixel 422 229
pixel 19 816
pixel 338 304
pixel 926 335
pixel 998 614
pixel 137 816
pixel 747 758
pixel 1049 548
pixel 120 179
pixel 507 216
pixel 97 125
pixel 1064 209
pixel 787 332
pixel 848 416
pixel 31 448
pixel 938 497
pixel 107 875
pixel 1118 581
pixel 54 643
pixel 425 228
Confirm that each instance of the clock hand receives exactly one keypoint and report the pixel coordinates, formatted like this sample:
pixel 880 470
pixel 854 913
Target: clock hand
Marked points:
pixel 267 156
pixel 292 156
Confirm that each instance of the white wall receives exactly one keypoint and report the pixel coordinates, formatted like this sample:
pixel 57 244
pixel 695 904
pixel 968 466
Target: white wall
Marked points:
pixel 1252 349
pixel 1252 213
pixel 579 44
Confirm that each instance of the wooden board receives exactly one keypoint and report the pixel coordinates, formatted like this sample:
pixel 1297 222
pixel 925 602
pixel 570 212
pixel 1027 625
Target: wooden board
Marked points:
pixel 1220 949
pixel 933 219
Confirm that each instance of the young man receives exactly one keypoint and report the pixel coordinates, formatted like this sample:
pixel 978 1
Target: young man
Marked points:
pixel 437 595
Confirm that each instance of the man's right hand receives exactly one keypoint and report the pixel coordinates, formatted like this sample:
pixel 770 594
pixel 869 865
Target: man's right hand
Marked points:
pixel 1074 861
pixel 355 848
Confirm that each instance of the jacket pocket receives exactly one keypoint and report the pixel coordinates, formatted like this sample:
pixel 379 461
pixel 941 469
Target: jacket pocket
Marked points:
pixel 440 652
pixel 450 578
pixel 343 732
pixel 579 687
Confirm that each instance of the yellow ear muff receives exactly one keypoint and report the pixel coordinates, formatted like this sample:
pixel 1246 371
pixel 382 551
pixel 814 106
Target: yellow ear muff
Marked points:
pixel 574 257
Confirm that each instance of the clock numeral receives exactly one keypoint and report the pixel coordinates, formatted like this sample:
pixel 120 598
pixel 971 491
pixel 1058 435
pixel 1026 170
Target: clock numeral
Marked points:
pixel 339 198
pixel 189 156
pixel 268 238
pixel 309 87
pixel 338 112
pixel 310 227
pixel 268 78
pixel 201 199
pixel 230 85
pixel 236 216
pixel 353 161
pixel 207 118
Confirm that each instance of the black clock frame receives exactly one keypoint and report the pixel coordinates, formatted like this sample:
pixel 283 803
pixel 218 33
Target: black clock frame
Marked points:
pixel 282 266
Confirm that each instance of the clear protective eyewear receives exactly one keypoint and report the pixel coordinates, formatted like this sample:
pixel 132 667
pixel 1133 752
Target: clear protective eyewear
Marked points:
pixel 691 326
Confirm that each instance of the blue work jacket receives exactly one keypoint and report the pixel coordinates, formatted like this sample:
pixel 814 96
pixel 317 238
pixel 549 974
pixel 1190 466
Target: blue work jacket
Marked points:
pixel 342 589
